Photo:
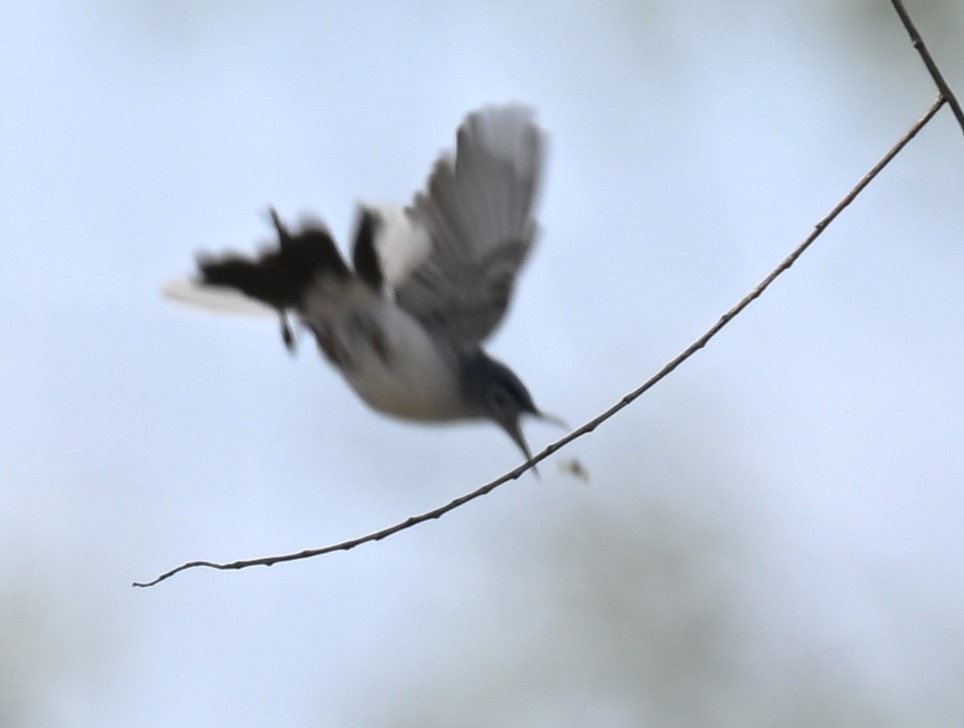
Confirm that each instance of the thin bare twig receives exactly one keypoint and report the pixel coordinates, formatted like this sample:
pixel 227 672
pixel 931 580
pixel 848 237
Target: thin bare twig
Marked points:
pixel 598 420
pixel 942 86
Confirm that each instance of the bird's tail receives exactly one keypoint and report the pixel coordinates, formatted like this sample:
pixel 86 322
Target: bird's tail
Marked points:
pixel 278 276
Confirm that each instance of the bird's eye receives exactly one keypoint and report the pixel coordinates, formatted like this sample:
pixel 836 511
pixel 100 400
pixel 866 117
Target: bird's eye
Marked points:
pixel 499 400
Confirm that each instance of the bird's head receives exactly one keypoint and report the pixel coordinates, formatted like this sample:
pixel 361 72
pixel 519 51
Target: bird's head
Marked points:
pixel 494 392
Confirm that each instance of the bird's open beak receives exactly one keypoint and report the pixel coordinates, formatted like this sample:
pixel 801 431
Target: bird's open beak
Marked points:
pixel 552 419
pixel 514 428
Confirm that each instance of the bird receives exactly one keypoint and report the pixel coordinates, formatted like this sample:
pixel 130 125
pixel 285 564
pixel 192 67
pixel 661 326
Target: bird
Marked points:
pixel 427 283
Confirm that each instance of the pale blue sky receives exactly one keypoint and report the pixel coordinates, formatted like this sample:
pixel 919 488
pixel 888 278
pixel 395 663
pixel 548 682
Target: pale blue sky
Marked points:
pixel 796 486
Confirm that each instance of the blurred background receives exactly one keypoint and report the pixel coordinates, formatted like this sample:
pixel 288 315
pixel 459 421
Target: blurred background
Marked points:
pixel 772 536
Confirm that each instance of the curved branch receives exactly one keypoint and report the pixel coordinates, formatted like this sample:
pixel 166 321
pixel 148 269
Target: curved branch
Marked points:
pixel 599 419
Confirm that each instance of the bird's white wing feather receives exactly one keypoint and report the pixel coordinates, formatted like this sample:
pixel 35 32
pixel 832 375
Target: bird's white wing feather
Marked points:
pixel 401 243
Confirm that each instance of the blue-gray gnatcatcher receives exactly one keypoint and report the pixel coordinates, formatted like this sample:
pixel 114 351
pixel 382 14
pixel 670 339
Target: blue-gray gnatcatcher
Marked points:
pixel 428 283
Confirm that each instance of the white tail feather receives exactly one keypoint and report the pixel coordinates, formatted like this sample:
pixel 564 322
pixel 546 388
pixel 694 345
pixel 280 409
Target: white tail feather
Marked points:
pixel 214 299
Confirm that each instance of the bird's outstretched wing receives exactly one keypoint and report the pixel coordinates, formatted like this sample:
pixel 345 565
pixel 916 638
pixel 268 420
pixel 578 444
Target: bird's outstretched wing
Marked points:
pixel 478 216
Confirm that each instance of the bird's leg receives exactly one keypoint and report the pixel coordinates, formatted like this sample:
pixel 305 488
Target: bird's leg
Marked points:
pixel 287 335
